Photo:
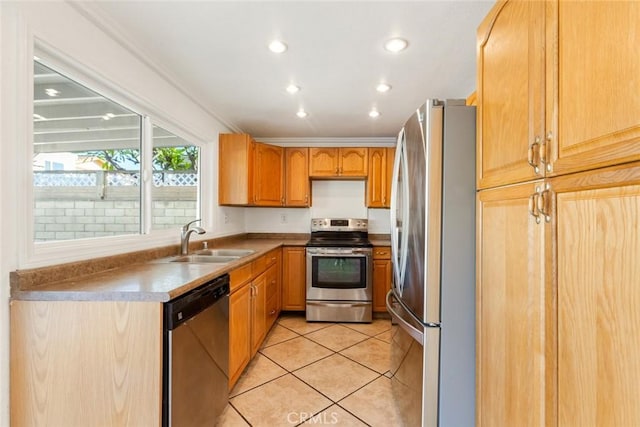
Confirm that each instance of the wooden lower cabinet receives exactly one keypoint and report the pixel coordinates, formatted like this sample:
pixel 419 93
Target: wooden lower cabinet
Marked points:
pixel 597 224
pixel 80 363
pixel 239 332
pixel 558 320
pixel 253 308
pixel 258 312
pixel 294 278
pixel 273 294
pixel 510 309
pixel 381 277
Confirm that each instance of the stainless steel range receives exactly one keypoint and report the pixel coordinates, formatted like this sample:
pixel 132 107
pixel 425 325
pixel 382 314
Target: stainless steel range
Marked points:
pixel 339 285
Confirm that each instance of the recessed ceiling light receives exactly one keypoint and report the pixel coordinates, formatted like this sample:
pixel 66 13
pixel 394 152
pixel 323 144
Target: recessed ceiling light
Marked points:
pixel 396 45
pixel 374 113
pixel 293 89
pixel 51 92
pixel 301 113
pixel 383 87
pixel 277 46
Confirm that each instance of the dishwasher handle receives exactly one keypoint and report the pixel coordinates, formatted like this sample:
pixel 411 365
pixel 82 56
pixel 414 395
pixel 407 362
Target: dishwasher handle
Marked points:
pixel 180 309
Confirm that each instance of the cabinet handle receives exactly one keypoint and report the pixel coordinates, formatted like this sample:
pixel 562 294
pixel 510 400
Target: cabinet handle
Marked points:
pixel 532 207
pixel 533 155
pixel 384 200
pixel 542 204
pixel 282 201
pixel 337 171
pixel 549 138
pixel 272 312
pixel 306 198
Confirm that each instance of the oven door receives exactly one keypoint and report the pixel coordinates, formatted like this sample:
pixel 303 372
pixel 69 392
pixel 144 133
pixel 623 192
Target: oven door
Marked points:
pixel 339 274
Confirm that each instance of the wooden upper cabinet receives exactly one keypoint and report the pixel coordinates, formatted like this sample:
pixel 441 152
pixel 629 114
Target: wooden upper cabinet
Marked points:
pixel 235 168
pixel 268 175
pixel 379 176
pixel 556 85
pixel 249 173
pixel 510 95
pixel 297 188
pixel 593 71
pixel 353 161
pixel 346 162
pixel 323 162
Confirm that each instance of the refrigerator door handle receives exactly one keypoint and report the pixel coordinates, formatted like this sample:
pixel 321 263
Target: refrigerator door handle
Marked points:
pixel 404 319
pixel 398 237
pixel 393 212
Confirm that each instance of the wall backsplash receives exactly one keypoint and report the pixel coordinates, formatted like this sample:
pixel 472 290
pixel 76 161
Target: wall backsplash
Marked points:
pixel 335 199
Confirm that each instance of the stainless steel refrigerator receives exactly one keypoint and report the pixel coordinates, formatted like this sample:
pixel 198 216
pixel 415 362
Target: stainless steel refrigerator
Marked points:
pixel 432 300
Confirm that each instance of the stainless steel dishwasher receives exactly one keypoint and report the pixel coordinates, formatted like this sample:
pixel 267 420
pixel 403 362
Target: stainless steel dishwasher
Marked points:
pixel 196 355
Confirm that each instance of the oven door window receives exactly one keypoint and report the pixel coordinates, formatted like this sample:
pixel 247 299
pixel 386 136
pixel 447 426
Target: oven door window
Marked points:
pixel 338 272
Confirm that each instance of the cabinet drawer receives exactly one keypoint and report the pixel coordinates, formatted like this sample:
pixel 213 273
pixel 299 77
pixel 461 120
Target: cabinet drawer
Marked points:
pixel 272 281
pixel 259 266
pixel 272 257
pixel 239 276
pixel 382 252
pixel 271 309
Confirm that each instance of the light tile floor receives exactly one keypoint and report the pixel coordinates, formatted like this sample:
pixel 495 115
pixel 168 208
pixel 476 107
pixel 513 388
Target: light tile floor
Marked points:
pixel 316 374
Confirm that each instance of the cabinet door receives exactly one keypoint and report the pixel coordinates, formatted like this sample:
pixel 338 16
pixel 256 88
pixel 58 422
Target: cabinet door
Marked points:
pixel 510 93
pixel 391 156
pixel 239 332
pixel 268 175
pixel 594 78
pixel 354 161
pixel 598 248
pixel 510 309
pixel 377 179
pixel 235 165
pixel 258 312
pixel 294 278
pixel 381 284
pixel 323 162
pixel 297 188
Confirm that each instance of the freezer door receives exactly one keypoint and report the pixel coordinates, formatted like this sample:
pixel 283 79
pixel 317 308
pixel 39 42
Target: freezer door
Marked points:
pixel 415 363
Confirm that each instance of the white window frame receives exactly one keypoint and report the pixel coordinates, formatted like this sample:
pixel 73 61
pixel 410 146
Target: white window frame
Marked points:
pixel 34 254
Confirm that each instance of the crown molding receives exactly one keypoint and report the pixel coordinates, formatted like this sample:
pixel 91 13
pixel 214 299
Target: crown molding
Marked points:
pixel 92 12
pixel 330 142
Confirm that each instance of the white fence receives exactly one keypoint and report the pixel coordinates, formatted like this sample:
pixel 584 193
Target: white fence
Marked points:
pixel 75 205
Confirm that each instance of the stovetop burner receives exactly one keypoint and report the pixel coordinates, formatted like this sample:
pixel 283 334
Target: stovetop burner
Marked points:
pixel 343 233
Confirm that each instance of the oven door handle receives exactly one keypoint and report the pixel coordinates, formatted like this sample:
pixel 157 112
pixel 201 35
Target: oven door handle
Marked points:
pixel 330 253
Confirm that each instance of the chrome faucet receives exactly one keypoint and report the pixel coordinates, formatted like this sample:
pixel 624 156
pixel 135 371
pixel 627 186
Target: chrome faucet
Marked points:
pixel 185 233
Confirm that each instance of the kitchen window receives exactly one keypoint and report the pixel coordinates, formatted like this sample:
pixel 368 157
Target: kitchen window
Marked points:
pixel 101 169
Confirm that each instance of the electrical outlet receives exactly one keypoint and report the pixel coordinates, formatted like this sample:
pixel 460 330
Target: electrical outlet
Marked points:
pixel 283 218
pixel 226 218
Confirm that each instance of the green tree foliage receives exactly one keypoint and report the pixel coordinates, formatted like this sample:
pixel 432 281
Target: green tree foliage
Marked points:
pixel 164 158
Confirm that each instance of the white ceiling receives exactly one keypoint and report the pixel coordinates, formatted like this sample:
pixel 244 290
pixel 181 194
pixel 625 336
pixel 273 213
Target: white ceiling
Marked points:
pixel 216 51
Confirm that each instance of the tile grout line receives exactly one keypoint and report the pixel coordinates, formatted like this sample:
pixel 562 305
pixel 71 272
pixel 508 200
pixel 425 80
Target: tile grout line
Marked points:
pixel 332 353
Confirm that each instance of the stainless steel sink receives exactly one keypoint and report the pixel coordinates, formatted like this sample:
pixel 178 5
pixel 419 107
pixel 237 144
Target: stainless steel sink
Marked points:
pixel 198 258
pixel 238 253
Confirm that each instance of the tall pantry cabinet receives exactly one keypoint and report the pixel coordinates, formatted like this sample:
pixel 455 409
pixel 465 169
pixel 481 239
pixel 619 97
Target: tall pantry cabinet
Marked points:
pixel 558 214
